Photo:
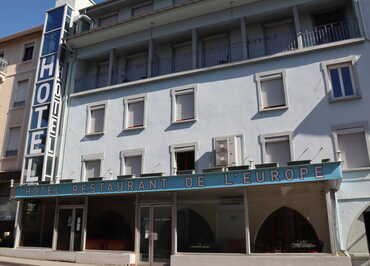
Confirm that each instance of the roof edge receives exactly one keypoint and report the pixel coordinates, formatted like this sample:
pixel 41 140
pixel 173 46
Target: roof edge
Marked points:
pixel 21 34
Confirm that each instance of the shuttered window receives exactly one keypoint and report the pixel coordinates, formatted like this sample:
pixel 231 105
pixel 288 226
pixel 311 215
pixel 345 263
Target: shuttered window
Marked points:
pixel 20 93
pixel 182 57
pixel 135 116
pixel 185 106
pixel 13 141
pixel 96 123
pixel 216 50
pixel 102 74
pixel 272 91
pixel 136 67
pixel 92 169
pixel 353 148
pixel 133 165
pixel 277 150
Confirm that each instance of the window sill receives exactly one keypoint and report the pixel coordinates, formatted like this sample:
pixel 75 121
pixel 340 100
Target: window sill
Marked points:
pixel 285 107
pixel 356 169
pixel 344 99
pixel 94 134
pixel 9 157
pixel 17 108
pixel 133 128
pixel 192 120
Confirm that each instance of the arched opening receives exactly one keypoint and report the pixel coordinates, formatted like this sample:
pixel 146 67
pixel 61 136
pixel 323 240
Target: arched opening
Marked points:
pixel 287 231
pixel 194 230
pixel 359 234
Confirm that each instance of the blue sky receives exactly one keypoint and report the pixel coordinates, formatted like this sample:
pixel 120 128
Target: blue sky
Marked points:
pixel 18 15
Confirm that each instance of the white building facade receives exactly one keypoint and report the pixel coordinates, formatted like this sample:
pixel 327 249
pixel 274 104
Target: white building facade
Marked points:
pixel 205 132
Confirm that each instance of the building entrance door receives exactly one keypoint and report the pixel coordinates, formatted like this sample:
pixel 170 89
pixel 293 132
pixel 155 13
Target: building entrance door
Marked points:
pixel 70 223
pixel 155 235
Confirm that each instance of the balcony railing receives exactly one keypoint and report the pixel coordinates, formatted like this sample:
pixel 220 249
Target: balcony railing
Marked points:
pixel 3 66
pixel 329 33
pixel 257 47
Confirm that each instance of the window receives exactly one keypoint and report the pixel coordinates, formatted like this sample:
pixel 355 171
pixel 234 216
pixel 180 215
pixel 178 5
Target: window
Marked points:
pixel 134 112
pixel 340 77
pixel 183 158
pixel 142 9
pixel 132 162
pixel 182 57
pixel 276 148
pixel 2 54
pixel 183 105
pixel 341 80
pixel 352 144
pixel 279 37
pixel 92 169
pixel 216 50
pixel 102 73
pixel 272 91
pixel 228 151
pixel 108 20
pixel 96 117
pixel 28 52
pixel 136 67
pixel 13 142
pixel 20 94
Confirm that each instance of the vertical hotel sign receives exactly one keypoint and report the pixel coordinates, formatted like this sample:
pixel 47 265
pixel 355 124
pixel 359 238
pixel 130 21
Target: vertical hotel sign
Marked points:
pixel 40 153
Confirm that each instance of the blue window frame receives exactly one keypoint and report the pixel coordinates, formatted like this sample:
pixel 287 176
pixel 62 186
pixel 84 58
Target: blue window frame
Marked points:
pixel 342 81
pixel 51 42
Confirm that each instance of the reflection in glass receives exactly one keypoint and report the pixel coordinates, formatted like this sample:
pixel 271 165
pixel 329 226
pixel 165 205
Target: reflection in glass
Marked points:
pixel 64 229
pixel 51 42
pixel 144 234
pixel 162 234
pixel 55 19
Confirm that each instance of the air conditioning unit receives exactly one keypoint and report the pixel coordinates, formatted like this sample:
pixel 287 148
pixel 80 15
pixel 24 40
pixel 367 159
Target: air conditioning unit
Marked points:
pixel 228 151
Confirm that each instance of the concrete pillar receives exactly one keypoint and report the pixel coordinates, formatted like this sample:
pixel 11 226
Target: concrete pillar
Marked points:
pixel 194 40
pixel 360 19
pixel 331 221
pixel 297 24
pixel 244 36
pixel 150 57
pixel 18 224
pixel 111 66
pixel 55 227
pixel 246 218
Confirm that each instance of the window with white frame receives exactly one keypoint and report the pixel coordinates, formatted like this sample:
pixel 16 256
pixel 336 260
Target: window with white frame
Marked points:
pixel 183 105
pixel 272 90
pixel 92 166
pixel 276 149
pixel 28 51
pixel 142 9
pixel 108 20
pixel 183 158
pixel 20 93
pixel 13 141
pixel 228 151
pixel 96 119
pixel 341 80
pixel 353 146
pixel 132 162
pixel 134 112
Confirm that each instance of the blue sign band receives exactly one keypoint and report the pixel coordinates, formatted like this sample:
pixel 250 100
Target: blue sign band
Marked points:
pixel 267 176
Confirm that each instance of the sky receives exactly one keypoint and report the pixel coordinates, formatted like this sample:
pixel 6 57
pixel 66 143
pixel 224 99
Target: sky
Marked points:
pixel 19 15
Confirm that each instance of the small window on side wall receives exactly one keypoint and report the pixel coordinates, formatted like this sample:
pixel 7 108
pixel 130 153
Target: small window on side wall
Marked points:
pixel 96 119
pixel 272 91
pixel 352 148
pixel 184 105
pixel 13 142
pixel 132 162
pixel 276 148
pixel 19 98
pixel 28 52
pixel 183 159
pixel 340 79
pixel 134 117
pixel 92 166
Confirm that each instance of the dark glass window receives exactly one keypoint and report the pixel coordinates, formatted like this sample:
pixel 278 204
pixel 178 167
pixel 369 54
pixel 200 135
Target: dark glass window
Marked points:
pixel 28 52
pixel 55 19
pixel 185 160
pixel 347 81
pixel 335 81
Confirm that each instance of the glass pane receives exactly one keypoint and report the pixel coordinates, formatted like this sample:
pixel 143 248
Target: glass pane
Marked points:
pixel 64 229
pixel 162 234
pixel 144 234
pixel 78 230
pixel 51 42
pixel 55 19
pixel 347 81
pixel 335 82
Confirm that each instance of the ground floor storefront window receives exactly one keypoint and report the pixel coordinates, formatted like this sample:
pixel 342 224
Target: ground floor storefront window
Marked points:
pixel 288 219
pixel 37 223
pixel 211 222
pixel 111 223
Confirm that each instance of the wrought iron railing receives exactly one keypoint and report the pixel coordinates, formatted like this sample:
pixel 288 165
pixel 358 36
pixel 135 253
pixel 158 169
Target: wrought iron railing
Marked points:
pixel 329 33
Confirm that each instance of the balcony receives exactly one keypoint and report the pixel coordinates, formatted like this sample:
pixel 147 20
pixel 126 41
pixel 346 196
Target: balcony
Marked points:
pixel 3 66
pixel 219 44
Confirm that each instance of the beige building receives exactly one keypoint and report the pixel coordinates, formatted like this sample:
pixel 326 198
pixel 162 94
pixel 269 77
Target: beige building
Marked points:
pixel 18 61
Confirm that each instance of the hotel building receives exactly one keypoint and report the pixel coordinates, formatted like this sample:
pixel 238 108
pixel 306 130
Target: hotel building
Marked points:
pixel 199 132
